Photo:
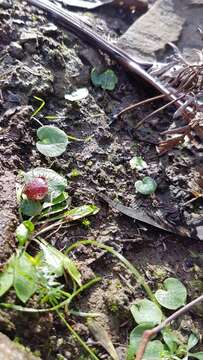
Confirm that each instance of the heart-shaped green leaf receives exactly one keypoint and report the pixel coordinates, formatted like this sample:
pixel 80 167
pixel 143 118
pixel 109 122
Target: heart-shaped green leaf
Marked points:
pixel 146 186
pixel 154 350
pixel 53 141
pixel 6 278
pixel 174 296
pixel 77 95
pixel 56 182
pixel 106 80
pixel 25 279
pixel 135 338
pixel 138 163
pixel 145 310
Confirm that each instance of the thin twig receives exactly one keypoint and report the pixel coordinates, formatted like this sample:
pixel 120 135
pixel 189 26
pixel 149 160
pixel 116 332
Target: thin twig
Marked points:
pixel 157 111
pixel 149 333
pixel 143 102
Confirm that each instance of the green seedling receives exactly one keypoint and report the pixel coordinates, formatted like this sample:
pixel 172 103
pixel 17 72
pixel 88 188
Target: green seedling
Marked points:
pixel 146 186
pixel 138 163
pixel 107 80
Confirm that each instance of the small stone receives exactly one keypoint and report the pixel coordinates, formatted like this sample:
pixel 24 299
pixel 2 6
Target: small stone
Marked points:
pixel 6 4
pixel 50 30
pixel 30 41
pixel 27 37
pixel 15 50
pixel 153 31
pixel 12 351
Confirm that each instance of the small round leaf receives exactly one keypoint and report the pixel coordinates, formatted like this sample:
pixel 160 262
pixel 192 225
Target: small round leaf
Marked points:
pixel 145 311
pixel 174 296
pixel 138 163
pixel 53 141
pixel 135 338
pixel 146 186
pixel 106 80
pixel 22 234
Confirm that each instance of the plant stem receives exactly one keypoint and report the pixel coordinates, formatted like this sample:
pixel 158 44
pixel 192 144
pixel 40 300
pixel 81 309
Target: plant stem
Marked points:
pixel 85 314
pixel 73 332
pixel 149 333
pixel 56 307
pixel 40 107
pixel 128 265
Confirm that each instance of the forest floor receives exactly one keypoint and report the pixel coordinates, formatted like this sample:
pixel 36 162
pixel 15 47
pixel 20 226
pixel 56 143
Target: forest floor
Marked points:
pixel 41 59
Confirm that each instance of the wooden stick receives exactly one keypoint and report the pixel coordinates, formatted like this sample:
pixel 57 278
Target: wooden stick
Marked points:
pixel 149 333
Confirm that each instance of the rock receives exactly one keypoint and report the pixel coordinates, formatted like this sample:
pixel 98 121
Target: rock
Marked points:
pixel 16 50
pixel 11 351
pixel 6 4
pixel 30 41
pixel 50 30
pixel 28 37
pixel 152 31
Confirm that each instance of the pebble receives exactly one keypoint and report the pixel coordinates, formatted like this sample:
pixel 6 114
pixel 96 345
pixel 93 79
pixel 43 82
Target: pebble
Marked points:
pixel 50 30
pixel 6 4
pixel 30 41
pixel 15 50
pixel 152 31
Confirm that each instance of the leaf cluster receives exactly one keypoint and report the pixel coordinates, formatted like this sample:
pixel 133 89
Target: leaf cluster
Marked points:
pixel 147 314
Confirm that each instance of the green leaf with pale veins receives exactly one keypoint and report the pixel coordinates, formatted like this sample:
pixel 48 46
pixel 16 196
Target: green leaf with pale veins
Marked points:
pixel 52 141
pixel 145 310
pixel 146 186
pixel 154 350
pixel 25 279
pixel 174 296
pixel 170 339
pixel 6 278
pixel 58 262
pixel 135 338
pixel 107 80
